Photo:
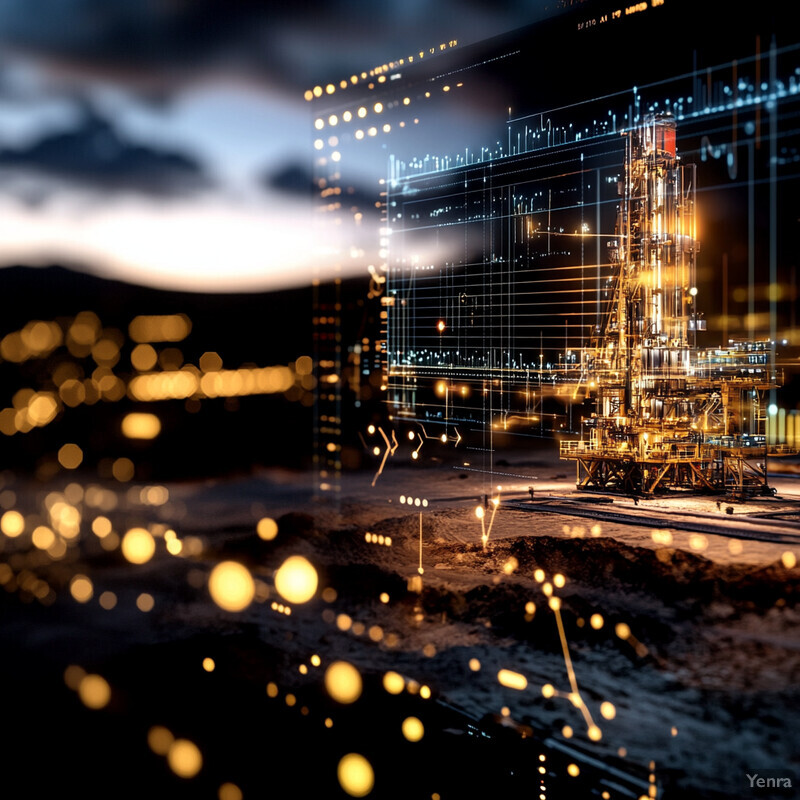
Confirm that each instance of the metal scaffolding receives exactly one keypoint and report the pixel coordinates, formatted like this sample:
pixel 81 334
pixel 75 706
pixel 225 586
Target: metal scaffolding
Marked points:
pixel 668 417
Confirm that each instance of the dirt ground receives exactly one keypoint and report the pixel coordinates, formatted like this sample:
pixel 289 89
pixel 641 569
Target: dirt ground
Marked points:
pixel 693 639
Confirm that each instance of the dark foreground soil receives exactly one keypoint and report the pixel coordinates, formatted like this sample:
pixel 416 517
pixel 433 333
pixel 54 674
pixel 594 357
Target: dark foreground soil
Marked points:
pixel 699 656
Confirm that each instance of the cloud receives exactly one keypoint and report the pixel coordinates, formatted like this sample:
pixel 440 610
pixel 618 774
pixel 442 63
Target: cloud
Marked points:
pixel 296 43
pixel 94 155
pixel 291 178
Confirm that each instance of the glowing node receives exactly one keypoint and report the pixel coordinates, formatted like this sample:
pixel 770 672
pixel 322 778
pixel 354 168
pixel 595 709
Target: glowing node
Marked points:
pixel 594 733
pixel 608 710
pixel 573 770
pixel 512 680
pixel 208 664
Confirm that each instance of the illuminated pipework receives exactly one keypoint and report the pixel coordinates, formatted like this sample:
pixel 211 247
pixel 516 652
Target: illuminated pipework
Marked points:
pixel 667 416
pixel 647 336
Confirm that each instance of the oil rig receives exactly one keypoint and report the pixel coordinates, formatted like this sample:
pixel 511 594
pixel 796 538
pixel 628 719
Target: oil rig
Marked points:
pixel 668 417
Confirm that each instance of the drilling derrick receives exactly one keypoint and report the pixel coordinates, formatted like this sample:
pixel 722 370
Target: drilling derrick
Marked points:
pixel 667 416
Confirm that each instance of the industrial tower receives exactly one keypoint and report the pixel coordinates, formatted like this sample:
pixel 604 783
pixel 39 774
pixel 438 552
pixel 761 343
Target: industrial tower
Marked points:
pixel 668 417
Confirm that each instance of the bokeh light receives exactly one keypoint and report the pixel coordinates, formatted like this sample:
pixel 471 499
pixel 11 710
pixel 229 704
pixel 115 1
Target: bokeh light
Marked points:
pixel 138 546
pixel 356 775
pixel 138 425
pixel 159 740
pixel 267 529
pixel 12 523
pixel 81 588
pixel 229 791
pixel 393 682
pixel 145 602
pixel 343 682
pixel 231 586
pixel 296 580
pixel 184 758
pixel 70 456
pixel 94 691
pixel 413 729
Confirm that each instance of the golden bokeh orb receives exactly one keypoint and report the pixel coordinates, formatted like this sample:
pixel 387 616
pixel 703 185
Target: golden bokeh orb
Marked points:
pixel 356 775
pixel 231 586
pixel 296 580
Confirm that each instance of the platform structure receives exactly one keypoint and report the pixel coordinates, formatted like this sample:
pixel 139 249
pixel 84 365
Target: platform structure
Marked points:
pixel 668 416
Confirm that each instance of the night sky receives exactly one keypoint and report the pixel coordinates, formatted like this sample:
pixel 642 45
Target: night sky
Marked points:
pixel 150 142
